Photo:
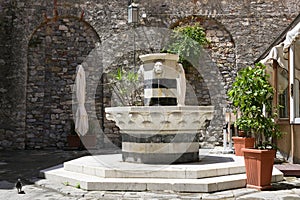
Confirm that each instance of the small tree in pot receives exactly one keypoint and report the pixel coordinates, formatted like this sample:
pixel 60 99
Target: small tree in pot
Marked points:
pixel 252 95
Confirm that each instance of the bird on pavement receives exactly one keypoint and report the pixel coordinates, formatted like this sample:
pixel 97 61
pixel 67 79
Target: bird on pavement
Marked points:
pixel 19 186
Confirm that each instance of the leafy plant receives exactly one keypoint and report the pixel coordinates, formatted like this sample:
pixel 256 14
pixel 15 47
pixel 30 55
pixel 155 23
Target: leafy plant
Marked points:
pixel 186 42
pixel 252 95
pixel 125 85
pixel 78 185
pixel 66 183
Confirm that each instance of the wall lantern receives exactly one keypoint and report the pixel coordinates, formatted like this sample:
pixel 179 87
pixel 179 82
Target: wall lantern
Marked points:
pixel 133 13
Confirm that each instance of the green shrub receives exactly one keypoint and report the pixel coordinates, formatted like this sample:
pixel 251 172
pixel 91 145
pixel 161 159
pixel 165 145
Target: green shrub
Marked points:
pixel 252 95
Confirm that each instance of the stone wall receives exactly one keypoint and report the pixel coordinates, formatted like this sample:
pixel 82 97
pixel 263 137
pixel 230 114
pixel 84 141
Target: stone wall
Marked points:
pixel 55 49
pixel 239 30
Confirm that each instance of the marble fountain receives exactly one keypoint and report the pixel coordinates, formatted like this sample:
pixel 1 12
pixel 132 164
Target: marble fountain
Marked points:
pixel 165 130
pixel 160 150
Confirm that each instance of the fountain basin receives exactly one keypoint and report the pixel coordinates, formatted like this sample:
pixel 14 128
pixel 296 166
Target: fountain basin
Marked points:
pixel 160 134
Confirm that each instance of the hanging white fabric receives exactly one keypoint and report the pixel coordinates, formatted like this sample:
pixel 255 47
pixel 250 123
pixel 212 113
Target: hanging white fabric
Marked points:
pixel 81 123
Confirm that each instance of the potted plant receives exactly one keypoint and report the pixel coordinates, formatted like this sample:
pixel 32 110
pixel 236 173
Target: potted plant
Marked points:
pixel 252 95
pixel 244 138
pixel 72 138
pixel 240 142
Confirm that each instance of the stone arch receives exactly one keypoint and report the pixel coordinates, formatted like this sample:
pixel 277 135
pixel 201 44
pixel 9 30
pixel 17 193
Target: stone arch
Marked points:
pixel 55 49
pixel 153 39
pixel 216 67
pixel 222 46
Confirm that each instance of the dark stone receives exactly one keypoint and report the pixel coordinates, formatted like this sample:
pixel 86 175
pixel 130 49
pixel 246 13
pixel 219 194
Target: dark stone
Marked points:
pixel 160 158
pixel 162 101
pixel 160 83
pixel 160 138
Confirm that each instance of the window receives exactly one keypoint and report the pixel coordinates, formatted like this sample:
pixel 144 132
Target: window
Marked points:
pixel 294 64
pixel 282 92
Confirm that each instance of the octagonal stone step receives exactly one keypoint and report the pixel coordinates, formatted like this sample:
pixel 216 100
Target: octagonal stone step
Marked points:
pixel 88 182
pixel 111 166
pixel 108 172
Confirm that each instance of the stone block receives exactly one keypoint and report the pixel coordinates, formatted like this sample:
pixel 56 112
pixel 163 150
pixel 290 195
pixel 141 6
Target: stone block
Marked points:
pixel 157 186
pixel 117 185
pixel 73 168
pixel 222 170
pixel 89 170
pixel 210 172
pixel 237 169
pixel 191 186
pixel 236 181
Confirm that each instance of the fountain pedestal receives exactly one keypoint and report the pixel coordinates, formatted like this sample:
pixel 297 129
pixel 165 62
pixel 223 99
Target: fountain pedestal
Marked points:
pixel 160 134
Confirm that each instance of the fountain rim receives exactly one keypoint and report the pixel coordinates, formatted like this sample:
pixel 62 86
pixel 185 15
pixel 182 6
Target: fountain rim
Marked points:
pixel 161 108
pixel 159 56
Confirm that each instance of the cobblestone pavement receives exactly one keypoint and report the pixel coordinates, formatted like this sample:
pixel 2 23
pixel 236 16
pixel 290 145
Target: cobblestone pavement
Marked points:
pixel 26 165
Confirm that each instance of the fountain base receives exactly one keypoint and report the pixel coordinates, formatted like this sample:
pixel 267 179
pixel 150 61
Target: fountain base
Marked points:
pixel 215 172
pixel 160 158
pixel 160 134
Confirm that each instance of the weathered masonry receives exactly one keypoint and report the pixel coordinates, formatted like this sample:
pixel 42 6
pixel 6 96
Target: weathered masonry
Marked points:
pixel 42 42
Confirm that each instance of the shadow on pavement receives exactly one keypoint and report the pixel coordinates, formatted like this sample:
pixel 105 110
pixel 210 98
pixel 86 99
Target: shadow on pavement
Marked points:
pixel 26 164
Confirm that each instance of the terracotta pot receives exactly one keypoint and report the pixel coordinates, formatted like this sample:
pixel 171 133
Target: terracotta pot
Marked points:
pixel 242 142
pixel 89 141
pixel 259 167
pixel 241 133
pixel 73 141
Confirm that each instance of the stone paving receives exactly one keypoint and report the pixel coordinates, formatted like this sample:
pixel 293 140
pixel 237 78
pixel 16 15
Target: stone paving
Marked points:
pixel 46 190
pixel 25 165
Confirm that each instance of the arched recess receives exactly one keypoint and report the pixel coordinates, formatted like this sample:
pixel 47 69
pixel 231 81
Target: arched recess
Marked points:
pixel 205 72
pixel 55 49
pixel 214 70
pixel 222 47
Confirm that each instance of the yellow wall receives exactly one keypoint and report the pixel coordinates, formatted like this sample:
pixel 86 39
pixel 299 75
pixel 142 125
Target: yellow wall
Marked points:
pixel 284 144
pixel 297 143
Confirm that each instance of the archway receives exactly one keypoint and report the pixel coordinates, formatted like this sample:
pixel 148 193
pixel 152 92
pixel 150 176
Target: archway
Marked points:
pixel 55 49
pixel 205 69
pixel 216 66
